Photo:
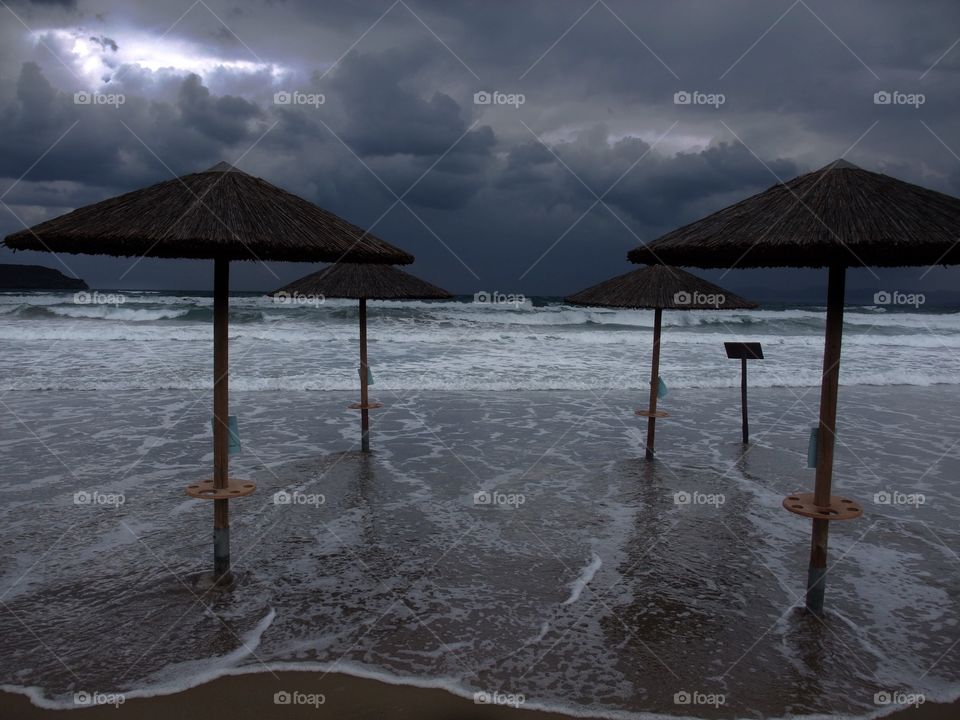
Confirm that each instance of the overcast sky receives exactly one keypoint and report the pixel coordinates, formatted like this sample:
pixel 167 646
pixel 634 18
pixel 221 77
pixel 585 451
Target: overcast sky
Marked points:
pixel 543 196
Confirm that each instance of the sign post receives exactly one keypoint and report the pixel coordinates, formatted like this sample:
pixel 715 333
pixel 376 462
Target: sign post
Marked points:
pixel 744 351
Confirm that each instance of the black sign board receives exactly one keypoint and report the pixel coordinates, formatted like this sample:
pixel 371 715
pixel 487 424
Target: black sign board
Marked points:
pixel 743 351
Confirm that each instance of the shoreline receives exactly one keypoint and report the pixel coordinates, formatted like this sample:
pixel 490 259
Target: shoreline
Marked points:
pixel 250 696
pixel 197 676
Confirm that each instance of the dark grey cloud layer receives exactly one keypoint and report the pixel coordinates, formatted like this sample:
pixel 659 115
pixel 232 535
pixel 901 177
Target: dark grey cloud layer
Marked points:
pixel 543 197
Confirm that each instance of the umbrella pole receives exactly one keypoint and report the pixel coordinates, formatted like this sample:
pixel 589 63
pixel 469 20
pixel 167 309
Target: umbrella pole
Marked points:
pixel 364 395
pixel 221 415
pixel 816 576
pixel 654 382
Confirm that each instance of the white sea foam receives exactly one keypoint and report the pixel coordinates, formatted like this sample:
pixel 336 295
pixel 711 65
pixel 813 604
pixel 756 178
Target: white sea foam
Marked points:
pixel 117 312
pixel 581 582
pixel 173 678
pixel 156 341
pixel 499 602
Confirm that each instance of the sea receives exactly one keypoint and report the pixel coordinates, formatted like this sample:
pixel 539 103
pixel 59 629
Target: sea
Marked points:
pixel 505 539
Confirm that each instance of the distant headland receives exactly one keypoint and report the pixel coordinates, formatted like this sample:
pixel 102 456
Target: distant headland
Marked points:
pixel 37 277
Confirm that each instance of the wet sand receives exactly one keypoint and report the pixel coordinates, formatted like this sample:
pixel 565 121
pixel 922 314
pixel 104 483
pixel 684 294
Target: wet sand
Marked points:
pixel 252 696
pixel 400 571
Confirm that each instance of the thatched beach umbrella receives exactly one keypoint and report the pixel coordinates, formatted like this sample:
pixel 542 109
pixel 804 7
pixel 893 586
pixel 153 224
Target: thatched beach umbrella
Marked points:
pixel 658 288
pixel 362 282
pixel 837 217
pixel 221 214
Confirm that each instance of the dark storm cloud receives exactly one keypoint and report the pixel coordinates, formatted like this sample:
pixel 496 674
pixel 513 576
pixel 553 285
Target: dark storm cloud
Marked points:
pixel 114 146
pixel 105 42
pixel 71 4
pixel 387 119
pixel 493 196
pixel 224 120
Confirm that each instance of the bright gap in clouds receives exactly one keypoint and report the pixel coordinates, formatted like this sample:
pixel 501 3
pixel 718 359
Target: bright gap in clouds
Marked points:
pixel 664 141
pixel 94 58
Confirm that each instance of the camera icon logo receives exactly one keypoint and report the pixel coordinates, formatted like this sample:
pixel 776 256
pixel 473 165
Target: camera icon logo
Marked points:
pixel 282 698
pixel 482 498
pixel 882 97
pixel 681 698
pixel 882 698
pixel 482 98
pixel 82 98
pixel 282 497
pixel 682 298
pixel 881 297
pixel 882 498
pixel 283 97
pixel 682 498
pixel 682 97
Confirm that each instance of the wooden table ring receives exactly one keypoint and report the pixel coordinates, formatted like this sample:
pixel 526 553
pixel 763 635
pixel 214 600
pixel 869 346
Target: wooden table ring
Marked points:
pixel 840 508
pixel 654 414
pixel 204 490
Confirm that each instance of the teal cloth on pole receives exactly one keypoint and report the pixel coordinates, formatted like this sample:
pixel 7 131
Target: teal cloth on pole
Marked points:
pixel 812 446
pixel 661 389
pixel 233 434
pixel 369 374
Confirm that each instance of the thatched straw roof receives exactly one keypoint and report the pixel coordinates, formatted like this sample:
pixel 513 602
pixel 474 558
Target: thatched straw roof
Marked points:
pixel 839 214
pixel 659 286
pixel 366 281
pixel 219 213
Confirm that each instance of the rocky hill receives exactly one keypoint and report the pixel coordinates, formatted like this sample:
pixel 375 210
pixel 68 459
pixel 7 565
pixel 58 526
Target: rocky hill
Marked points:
pixel 36 277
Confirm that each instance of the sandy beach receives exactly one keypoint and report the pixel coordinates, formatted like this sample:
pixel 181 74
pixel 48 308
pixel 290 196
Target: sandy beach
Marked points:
pixel 252 697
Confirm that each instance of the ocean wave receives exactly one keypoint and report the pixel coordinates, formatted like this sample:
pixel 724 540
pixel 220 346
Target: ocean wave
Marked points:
pixel 492 382
pixel 192 326
pixel 121 313
pixel 156 341
pixel 468 315
pixel 104 312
